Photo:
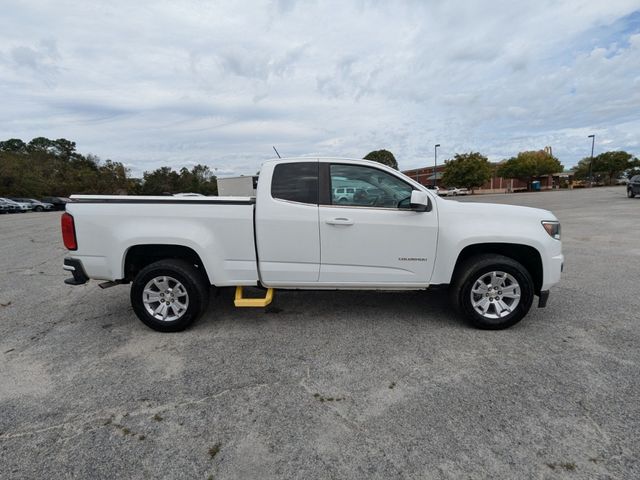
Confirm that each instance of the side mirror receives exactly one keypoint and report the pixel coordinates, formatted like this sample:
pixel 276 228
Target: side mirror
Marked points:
pixel 420 201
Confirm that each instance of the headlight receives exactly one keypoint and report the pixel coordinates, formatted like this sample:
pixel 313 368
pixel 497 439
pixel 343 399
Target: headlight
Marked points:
pixel 552 228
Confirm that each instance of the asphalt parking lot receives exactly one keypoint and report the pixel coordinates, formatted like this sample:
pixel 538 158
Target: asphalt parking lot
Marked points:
pixel 326 384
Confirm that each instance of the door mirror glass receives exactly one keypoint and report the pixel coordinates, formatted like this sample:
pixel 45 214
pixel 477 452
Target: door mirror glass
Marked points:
pixel 420 201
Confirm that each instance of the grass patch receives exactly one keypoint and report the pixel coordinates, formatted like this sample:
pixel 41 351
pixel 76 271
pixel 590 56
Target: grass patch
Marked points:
pixel 213 451
pixel 568 466
pixel 320 398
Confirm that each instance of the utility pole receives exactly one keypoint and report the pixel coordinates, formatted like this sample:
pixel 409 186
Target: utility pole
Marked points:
pixel 593 141
pixel 435 168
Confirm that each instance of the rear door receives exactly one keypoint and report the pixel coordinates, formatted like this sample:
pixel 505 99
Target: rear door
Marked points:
pixel 375 239
pixel 287 234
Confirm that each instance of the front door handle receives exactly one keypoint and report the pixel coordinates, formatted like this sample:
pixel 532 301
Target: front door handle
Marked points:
pixel 339 221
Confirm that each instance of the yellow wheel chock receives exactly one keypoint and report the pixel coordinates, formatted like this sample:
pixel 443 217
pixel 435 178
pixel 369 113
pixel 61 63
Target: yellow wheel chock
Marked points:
pixel 240 301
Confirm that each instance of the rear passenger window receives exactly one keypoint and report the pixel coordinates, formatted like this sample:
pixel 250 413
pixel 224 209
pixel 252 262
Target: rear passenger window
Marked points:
pixel 296 182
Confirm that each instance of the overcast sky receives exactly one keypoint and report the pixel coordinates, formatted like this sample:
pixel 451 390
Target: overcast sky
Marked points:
pixel 185 82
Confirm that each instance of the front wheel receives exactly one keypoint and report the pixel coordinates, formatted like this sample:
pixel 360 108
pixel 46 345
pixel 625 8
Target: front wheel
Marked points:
pixel 630 193
pixel 169 295
pixel 493 291
pixel 38 208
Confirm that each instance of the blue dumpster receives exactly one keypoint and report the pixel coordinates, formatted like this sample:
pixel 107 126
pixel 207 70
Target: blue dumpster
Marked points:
pixel 535 185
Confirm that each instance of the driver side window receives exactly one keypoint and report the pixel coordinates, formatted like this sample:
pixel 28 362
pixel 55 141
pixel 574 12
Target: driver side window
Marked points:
pixel 361 186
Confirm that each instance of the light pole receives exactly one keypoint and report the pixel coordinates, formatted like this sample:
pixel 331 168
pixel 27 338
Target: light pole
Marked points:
pixel 435 168
pixel 593 141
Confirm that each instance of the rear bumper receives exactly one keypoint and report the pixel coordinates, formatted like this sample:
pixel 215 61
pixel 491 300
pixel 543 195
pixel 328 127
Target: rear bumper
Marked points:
pixel 74 266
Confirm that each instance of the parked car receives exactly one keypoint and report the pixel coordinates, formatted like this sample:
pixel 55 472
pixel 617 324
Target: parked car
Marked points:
pixel 37 205
pixel 21 207
pixel 8 207
pixel 293 235
pixel 633 187
pixel 343 194
pixel 58 203
pixel 452 191
pixel 622 181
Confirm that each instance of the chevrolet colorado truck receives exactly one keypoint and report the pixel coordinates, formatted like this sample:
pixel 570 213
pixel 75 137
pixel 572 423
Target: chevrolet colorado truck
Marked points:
pixel 297 234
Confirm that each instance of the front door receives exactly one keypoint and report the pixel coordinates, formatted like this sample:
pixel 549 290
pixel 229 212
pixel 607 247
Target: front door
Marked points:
pixel 373 239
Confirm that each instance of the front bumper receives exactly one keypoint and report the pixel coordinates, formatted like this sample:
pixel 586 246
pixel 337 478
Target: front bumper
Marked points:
pixel 74 266
pixel 552 271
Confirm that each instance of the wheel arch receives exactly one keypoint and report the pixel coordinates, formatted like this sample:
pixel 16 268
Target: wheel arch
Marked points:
pixel 527 255
pixel 137 257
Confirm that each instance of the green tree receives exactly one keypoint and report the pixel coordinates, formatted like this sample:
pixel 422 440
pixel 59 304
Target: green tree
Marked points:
pixel 581 169
pixel 606 167
pixel 53 167
pixel 382 156
pixel 200 180
pixel 18 176
pixel 470 170
pixel 160 181
pixel 45 167
pixel 134 186
pixel 64 148
pixel 14 145
pixel 112 178
pixel 634 168
pixel 529 165
pixel 612 164
pixel 164 180
pixel 40 144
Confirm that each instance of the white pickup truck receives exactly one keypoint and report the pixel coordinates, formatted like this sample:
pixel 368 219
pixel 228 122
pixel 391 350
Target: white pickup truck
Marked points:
pixel 394 235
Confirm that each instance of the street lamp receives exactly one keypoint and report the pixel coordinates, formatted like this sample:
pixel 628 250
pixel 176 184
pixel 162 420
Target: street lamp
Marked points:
pixel 435 168
pixel 593 141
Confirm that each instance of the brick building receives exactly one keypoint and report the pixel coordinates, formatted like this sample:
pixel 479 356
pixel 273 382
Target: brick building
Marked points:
pixel 496 184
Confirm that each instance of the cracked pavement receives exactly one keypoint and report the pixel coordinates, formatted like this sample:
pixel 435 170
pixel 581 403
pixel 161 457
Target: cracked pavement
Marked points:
pixel 326 384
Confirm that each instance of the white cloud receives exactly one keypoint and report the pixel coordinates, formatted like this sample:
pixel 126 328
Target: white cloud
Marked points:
pixel 163 83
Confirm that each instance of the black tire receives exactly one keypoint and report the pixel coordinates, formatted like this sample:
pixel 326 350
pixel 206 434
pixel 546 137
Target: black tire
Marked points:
pixel 38 208
pixel 472 270
pixel 192 279
pixel 630 193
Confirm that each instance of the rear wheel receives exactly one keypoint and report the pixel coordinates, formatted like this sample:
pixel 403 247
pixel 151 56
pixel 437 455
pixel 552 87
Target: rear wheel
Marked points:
pixel 38 208
pixel 630 193
pixel 169 295
pixel 493 291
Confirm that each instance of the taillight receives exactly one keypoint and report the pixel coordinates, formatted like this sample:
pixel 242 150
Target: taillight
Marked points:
pixel 68 232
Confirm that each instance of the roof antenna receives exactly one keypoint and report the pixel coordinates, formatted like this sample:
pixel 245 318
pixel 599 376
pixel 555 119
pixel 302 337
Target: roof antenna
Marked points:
pixel 277 152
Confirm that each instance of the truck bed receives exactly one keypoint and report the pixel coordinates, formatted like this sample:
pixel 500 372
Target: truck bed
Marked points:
pixel 218 229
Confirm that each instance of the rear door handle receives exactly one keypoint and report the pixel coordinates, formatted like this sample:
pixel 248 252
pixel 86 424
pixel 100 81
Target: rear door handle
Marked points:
pixel 339 221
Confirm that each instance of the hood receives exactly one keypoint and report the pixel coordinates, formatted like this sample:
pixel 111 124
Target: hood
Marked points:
pixel 493 210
